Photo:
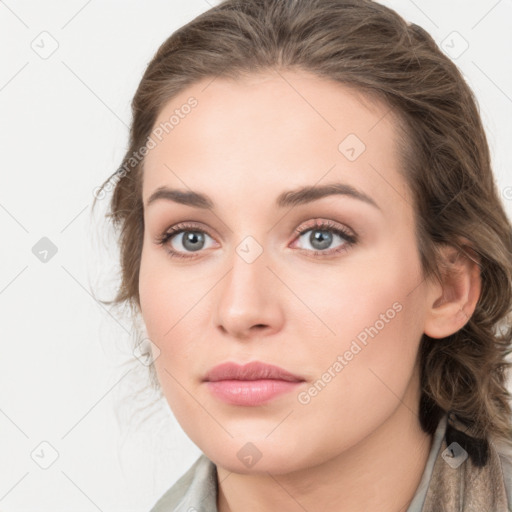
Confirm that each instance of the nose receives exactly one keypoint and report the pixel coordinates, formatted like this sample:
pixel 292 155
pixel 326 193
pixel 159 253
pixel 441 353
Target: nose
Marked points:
pixel 248 300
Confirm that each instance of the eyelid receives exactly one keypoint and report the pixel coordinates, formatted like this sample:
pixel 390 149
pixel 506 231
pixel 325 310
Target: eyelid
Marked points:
pixel 326 225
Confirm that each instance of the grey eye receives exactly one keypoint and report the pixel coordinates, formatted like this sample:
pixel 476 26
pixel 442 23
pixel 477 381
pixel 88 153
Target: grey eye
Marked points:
pixel 320 239
pixel 191 241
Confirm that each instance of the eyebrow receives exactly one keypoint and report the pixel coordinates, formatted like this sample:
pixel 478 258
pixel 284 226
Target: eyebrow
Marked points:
pixel 286 199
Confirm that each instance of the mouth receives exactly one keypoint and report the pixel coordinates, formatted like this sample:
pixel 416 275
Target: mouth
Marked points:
pixel 251 371
pixel 252 384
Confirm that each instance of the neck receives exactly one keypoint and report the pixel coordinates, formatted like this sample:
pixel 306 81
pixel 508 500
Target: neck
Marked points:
pixel 381 472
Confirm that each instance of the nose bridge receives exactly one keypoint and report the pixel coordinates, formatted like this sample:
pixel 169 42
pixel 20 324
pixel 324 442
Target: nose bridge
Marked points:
pixel 248 295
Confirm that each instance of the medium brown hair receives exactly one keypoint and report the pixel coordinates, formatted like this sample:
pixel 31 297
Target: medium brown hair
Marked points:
pixel 444 155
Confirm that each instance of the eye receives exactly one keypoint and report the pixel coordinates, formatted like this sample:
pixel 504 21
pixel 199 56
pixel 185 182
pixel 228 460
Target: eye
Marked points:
pixel 323 234
pixel 187 238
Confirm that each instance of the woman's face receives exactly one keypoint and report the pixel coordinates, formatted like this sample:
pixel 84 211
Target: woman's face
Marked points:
pixel 328 286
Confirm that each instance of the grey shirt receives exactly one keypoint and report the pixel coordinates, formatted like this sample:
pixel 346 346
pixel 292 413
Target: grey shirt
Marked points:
pixel 196 490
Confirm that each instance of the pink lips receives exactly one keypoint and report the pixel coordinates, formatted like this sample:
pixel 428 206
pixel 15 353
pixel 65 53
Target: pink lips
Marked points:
pixel 251 384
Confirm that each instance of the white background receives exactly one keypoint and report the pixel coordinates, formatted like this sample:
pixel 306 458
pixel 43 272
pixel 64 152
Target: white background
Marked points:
pixel 64 126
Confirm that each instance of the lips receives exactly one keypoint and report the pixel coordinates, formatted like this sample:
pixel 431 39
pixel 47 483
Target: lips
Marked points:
pixel 251 371
pixel 250 385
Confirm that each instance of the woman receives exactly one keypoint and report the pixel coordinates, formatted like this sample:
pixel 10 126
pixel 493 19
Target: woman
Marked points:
pixel 310 231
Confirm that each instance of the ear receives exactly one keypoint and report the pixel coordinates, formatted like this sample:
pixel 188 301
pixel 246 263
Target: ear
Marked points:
pixel 452 301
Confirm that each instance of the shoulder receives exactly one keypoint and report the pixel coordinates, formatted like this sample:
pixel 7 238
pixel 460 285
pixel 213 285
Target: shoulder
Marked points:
pixel 470 471
pixel 195 490
pixel 505 455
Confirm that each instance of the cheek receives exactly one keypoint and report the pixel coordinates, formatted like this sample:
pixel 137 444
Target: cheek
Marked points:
pixel 375 311
pixel 163 295
pixel 375 291
pixel 154 295
pixel 163 302
pixel 174 308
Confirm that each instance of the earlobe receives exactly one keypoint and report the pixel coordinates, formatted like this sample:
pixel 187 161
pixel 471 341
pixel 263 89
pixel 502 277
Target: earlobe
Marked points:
pixel 452 301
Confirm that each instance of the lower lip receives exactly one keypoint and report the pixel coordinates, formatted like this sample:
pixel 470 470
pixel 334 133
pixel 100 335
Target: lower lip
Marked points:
pixel 250 392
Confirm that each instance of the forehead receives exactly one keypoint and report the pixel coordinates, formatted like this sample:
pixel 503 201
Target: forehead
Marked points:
pixel 265 129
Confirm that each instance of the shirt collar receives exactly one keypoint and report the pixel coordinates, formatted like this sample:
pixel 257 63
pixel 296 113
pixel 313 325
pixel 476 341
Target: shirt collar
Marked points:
pixel 418 500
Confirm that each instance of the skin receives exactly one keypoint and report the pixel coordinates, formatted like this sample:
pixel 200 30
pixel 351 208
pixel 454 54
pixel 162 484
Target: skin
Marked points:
pixel 357 445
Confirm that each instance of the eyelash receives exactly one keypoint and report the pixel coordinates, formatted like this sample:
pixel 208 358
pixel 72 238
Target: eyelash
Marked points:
pixel 318 225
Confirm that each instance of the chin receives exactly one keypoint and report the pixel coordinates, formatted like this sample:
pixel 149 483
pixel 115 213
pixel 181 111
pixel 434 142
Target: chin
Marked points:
pixel 259 457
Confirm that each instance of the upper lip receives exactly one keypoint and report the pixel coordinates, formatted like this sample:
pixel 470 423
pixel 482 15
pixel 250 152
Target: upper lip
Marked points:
pixel 252 371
